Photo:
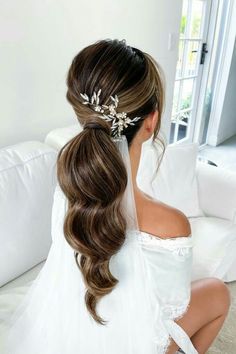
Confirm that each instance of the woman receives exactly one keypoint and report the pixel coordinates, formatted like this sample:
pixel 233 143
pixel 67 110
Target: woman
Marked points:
pixel 118 275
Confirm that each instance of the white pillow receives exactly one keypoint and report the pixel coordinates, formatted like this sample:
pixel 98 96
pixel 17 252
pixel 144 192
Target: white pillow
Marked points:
pixel 217 191
pixel 27 183
pixel 57 138
pixel 175 182
pixel 214 247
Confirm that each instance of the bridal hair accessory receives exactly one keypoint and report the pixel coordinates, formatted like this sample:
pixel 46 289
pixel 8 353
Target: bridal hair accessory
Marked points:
pixel 119 120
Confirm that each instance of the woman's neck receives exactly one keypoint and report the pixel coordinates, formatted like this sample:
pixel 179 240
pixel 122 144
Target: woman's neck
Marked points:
pixel 135 155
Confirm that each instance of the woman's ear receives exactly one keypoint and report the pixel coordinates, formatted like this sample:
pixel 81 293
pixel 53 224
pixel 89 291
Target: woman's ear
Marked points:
pixel 151 121
pixel 154 120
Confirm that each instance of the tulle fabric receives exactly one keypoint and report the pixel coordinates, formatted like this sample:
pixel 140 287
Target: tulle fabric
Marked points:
pixel 53 319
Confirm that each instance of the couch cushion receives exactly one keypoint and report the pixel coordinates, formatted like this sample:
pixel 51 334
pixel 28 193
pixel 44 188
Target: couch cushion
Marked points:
pixel 175 182
pixel 27 183
pixel 214 247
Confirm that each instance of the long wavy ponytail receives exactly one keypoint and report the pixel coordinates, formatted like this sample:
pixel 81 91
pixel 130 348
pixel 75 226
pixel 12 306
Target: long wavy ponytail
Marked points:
pixel 92 174
pixel 90 170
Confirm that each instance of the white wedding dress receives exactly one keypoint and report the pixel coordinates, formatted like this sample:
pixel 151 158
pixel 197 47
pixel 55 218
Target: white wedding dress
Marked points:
pixel 153 290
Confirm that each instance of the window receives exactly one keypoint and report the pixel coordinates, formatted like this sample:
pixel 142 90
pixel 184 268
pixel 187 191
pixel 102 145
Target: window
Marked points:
pixel 188 72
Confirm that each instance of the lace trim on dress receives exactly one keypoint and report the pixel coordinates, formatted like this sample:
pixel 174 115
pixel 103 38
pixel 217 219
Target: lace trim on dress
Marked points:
pixel 147 236
pixel 179 246
pixel 168 313
pixel 172 312
pixel 167 345
pixel 176 314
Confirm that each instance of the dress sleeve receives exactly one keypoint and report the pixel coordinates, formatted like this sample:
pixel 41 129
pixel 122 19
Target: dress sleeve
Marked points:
pixel 169 267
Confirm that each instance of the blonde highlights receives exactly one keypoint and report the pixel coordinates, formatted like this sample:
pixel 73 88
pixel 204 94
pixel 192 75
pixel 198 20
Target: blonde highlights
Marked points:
pixel 90 170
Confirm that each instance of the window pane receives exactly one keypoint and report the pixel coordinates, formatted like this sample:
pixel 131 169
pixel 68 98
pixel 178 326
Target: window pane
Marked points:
pixel 184 19
pixel 172 132
pixel 191 62
pixel 184 117
pixel 176 96
pixel 180 59
pixel 196 19
pixel 187 92
pixel 182 132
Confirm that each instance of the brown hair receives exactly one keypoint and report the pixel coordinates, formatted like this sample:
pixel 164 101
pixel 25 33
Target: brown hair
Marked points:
pixel 90 170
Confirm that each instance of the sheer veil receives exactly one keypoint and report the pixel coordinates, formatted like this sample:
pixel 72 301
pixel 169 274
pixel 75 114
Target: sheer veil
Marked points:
pixel 53 318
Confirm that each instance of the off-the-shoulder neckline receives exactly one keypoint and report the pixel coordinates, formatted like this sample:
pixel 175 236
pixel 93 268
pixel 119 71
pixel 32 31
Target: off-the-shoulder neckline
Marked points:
pixel 166 238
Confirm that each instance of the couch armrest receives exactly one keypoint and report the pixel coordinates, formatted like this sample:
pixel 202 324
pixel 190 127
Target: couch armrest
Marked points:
pixel 217 191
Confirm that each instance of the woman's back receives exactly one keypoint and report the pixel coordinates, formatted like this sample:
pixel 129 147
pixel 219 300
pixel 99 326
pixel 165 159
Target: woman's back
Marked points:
pixel 160 219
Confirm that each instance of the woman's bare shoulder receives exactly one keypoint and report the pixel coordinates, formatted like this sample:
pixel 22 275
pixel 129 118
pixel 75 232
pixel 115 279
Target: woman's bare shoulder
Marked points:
pixel 163 220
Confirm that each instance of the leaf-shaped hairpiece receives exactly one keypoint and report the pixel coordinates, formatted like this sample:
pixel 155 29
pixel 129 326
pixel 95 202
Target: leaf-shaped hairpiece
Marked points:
pixel 119 120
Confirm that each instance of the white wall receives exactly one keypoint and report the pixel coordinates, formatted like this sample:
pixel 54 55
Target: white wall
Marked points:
pixel 222 122
pixel 227 127
pixel 39 39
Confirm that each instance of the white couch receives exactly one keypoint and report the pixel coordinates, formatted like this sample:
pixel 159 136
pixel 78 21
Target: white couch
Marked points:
pixel 206 194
